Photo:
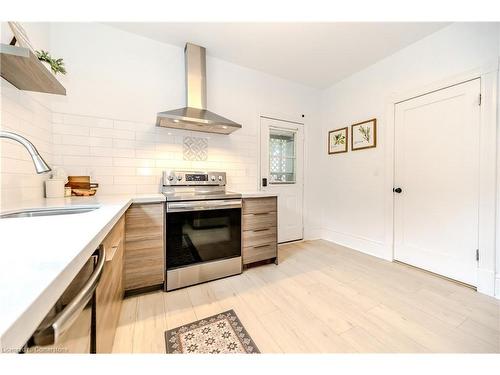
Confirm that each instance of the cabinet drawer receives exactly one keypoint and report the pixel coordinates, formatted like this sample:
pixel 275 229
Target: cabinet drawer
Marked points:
pixel 259 221
pixel 259 237
pixel 258 253
pixel 259 205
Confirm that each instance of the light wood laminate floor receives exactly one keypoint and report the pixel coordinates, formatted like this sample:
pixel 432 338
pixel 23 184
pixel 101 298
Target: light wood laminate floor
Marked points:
pixel 324 297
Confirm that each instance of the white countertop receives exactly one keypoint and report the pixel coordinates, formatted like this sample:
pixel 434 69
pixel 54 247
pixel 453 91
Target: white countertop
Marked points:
pixel 42 255
pixel 258 194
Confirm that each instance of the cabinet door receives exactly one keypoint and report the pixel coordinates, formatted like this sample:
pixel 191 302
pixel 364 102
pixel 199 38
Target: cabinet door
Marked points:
pixel 144 249
pixel 259 226
pixel 109 293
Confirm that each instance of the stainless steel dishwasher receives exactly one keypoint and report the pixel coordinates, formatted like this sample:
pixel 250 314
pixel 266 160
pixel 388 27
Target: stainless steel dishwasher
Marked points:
pixel 69 327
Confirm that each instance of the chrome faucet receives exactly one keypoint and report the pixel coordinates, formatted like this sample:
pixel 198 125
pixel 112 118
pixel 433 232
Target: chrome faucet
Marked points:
pixel 40 165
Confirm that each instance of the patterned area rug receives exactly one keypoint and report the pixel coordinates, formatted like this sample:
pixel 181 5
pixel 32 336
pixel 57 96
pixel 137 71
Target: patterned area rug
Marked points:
pixel 219 334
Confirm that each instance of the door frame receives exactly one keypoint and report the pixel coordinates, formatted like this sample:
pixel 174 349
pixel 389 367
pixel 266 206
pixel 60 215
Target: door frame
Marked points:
pixel 488 75
pixel 293 120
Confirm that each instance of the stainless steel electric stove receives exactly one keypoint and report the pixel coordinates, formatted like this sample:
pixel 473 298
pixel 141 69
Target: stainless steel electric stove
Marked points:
pixel 203 228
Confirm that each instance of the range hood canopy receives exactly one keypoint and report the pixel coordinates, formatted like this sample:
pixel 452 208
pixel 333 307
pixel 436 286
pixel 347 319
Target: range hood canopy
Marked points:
pixel 195 115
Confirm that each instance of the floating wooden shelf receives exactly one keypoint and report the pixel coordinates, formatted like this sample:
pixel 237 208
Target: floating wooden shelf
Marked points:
pixel 22 68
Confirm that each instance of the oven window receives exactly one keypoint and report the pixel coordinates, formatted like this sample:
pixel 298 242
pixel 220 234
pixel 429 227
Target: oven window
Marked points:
pixel 201 236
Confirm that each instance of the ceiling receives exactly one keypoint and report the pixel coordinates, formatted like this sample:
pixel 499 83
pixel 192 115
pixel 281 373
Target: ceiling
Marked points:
pixel 314 54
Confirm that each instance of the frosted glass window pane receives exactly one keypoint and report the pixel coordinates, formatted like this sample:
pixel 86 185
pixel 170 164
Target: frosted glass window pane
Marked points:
pixel 282 162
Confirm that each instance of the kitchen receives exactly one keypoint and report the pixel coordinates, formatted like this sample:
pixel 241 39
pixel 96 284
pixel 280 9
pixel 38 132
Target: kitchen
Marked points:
pixel 161 171
pixel 214 193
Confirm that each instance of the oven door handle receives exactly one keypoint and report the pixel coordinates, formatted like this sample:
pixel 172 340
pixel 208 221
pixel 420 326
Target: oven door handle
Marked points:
pixel 215 204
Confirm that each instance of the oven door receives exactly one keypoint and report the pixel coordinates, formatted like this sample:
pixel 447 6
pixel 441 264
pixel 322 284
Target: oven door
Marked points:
pixel 202 231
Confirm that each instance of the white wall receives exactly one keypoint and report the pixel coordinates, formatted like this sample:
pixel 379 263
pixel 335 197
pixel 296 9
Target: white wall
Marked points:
pixel 354 213
pixel 118 81
pixel 26 114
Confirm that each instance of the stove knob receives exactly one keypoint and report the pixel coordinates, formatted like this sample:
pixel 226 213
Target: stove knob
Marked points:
pixel 179 178
pixel 170 178
pixel 220 178
pixel 212 178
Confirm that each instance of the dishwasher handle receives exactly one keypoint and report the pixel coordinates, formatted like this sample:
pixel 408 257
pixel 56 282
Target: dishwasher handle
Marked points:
pixel 50 333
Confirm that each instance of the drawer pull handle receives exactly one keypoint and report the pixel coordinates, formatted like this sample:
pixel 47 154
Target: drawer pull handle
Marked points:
pixel 258 247
pixel 111 254
pixel 261 213
pixel 260 230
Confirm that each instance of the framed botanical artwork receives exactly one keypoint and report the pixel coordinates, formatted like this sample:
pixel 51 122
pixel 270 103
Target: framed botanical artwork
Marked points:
pixel 337 140
pixel 364 135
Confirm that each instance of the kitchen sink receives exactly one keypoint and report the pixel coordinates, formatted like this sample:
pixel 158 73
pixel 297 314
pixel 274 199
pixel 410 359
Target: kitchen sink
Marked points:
pixel 49 211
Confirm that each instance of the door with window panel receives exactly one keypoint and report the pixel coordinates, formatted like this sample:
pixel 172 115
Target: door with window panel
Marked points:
pixel 281 173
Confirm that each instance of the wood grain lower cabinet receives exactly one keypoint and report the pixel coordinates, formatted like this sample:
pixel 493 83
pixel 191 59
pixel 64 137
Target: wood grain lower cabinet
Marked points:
pixel 260 231
pixel 110 291
pixel 144 249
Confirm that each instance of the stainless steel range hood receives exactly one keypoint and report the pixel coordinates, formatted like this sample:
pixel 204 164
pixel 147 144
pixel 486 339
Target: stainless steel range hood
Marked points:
pixel 195 115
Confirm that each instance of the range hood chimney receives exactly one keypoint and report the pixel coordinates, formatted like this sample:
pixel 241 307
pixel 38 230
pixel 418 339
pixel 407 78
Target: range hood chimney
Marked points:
pixel 195 115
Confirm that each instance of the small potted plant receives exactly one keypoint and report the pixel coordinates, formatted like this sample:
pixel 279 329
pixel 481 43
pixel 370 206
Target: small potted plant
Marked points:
pixel 54 65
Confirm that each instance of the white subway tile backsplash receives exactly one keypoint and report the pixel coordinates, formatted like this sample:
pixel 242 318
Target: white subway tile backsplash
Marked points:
pixel 60 149
pixel 103 123
pixel 101 132
pixel 123 143
pixel 102 180
pixel 57 118
pixel 124 125
pixel 101 151
pixel 100 142
pixel 146 136
pixel 16 166
pixel 70 129
pixel 79 120
pixel 129 156
pixel 116 189
pixel 88 161
pixel 22 114
pixel 124 152
pixel 133 162
pixel 76 140
pixel 148 189
pixel 145 154
pixel 136 180
pixel 74 170
pixel 123 134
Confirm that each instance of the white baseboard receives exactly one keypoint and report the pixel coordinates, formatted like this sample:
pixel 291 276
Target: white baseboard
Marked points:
pixel 487 283
pixel 364 245
pixel 497 286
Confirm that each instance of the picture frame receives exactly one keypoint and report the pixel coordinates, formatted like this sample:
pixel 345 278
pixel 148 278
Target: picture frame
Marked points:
pixel 338 140
pixel 364 135
pixel 20 35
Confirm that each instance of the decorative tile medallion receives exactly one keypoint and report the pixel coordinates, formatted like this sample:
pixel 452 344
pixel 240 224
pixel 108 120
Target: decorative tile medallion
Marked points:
pixel 218 334
pixel 195 149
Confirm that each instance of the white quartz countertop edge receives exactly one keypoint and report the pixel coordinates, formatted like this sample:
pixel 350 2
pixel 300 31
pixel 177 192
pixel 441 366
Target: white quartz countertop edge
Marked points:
pixel 42 255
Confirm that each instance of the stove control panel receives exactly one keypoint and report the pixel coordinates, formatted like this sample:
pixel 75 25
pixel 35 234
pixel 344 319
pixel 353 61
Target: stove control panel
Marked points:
pixel 188 178
pixel 196 177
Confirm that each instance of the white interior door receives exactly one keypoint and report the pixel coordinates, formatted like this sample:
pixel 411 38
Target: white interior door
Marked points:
pixel 282 160
pixel 437 169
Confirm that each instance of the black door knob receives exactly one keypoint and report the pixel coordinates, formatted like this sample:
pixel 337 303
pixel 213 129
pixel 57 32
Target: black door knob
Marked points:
pixel 397 190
